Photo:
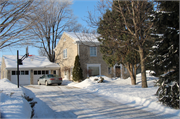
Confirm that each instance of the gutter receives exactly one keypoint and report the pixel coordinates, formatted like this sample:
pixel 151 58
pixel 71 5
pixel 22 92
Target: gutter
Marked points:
pixel 28 68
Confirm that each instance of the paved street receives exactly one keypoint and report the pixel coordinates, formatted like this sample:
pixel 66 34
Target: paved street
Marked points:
pixel 71 102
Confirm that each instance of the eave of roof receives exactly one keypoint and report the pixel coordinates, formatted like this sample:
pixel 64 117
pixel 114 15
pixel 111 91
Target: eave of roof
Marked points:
pixel 83 37
pixel 35 62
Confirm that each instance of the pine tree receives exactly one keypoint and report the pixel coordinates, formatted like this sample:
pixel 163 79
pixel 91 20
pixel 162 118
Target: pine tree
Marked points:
pixel 166 52
pixel 77 71
pixel 135 23
pixel 114 43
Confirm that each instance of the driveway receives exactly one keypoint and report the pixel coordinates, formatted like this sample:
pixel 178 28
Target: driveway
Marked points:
pixel 71 102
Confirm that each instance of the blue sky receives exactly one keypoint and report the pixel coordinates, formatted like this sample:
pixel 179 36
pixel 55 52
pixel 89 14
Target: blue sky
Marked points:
pixel 80 9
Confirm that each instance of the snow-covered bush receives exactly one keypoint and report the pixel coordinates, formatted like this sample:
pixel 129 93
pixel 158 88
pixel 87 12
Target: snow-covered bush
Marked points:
pixel 168 92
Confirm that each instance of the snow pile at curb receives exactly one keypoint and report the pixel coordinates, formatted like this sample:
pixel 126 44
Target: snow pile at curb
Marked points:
pixel 66 81
pixel 12 104
pixel 122 91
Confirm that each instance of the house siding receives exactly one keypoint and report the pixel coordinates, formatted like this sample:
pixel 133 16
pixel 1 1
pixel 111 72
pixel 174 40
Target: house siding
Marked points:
pixel 4 73
pixel 72 51
pixel 85 59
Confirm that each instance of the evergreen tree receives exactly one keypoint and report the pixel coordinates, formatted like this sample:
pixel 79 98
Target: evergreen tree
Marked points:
pixel 135 23
pixel 166 52
pixel 77 71
pixel 114 43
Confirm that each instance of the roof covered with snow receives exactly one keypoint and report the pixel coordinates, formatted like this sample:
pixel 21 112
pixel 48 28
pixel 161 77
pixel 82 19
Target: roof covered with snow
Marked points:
pixel 30 62
pixel 83 37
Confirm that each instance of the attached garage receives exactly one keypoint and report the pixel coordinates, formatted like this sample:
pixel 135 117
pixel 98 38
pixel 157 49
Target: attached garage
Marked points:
pixel 33 67
pixel 24 77
pixel 39 73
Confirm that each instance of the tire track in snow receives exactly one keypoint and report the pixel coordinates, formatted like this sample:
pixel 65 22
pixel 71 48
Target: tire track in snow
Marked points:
pixel 70 102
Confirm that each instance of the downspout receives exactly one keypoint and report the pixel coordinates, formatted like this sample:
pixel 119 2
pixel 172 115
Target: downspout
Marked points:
pixel 121 71
pixel 114 71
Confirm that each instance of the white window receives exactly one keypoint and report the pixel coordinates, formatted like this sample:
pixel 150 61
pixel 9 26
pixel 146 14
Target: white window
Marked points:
pixel 94 69
pixel 64 39
pixel 109 70
pixel 14 72
pixel 125 70
pixel 65 53
pixel 93 51
pixel 20 72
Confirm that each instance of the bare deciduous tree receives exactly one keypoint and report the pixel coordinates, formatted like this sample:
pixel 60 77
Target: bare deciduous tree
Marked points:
pixel 54 17
pixel 136 21
pixel 13 17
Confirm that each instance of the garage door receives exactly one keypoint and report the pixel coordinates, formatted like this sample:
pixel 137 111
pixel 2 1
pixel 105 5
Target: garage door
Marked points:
pixel 37 74
pixel 24 77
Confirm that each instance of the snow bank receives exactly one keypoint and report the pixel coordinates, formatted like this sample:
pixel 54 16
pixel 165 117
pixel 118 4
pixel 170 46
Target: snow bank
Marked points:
pixel 89 82
pixel 66 81
pixel 12 104
pixel 121 90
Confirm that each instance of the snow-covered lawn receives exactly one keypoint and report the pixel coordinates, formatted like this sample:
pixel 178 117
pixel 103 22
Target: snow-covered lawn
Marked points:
pixel 122 91
pixel 12 104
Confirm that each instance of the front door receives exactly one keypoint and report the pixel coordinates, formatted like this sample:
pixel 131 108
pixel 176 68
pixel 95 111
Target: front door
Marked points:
pixel 118 71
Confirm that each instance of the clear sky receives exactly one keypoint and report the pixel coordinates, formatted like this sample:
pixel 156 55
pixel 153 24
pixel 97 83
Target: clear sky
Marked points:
pixel 80 9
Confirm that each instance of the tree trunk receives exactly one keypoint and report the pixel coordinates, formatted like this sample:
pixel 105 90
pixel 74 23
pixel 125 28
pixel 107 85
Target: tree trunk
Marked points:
pixel 135 71
pixel 143 68
pixel 51 57
pixel 133 78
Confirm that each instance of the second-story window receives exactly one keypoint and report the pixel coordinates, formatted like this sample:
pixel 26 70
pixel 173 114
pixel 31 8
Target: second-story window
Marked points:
pixel 93 51
pixel 65 53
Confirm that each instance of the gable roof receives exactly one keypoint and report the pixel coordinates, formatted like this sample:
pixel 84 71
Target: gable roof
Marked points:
pixel 28 63
pixel 83 37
